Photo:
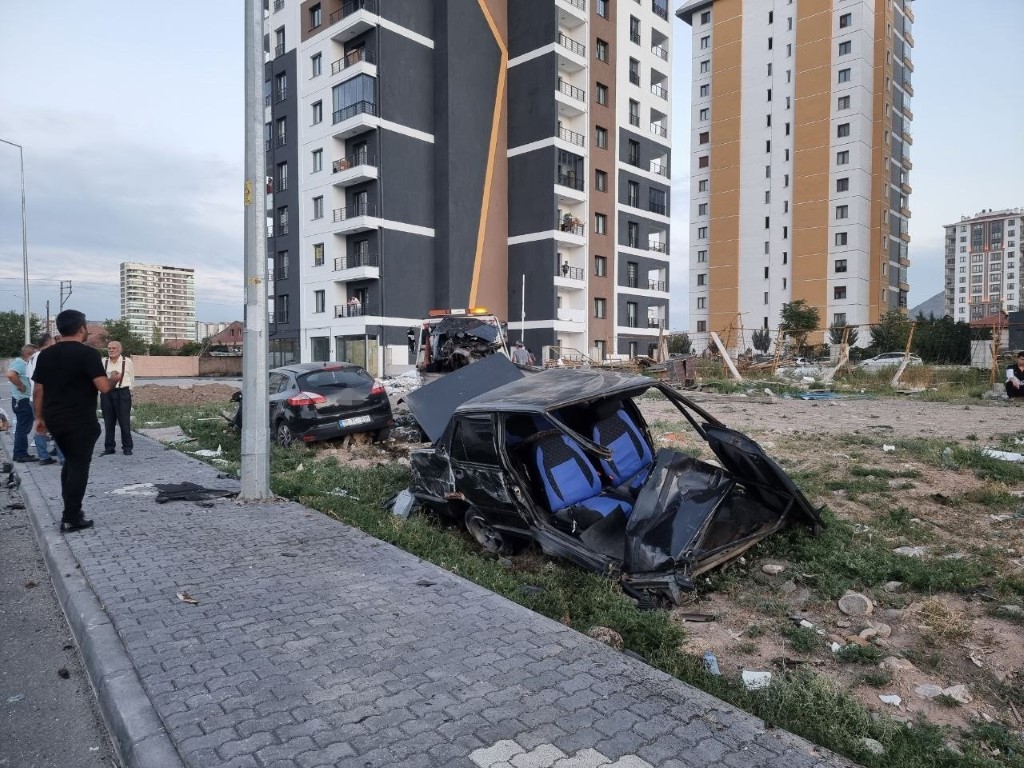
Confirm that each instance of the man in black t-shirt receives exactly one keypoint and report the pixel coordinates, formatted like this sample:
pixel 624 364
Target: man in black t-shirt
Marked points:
pixel 1015 378
pixel 67 377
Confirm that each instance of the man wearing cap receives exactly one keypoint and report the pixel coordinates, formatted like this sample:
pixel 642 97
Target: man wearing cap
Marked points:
pixel 520 354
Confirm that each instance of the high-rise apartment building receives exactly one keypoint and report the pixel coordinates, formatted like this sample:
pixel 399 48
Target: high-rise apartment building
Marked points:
pixel 159 302
pixel 799 160
pixel 449 154
pixel 984 254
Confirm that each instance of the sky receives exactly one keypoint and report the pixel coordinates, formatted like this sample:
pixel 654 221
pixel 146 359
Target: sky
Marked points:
pixel 133 141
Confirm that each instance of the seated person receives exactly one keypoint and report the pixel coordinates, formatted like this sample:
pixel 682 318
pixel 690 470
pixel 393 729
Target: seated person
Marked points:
pixel 1015 377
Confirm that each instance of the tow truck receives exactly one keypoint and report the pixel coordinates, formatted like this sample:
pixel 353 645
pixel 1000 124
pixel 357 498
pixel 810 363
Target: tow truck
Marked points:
pixel 450 339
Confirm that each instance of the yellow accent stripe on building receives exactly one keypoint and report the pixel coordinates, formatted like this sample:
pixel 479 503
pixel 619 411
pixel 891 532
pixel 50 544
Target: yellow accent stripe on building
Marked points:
pixel 499 97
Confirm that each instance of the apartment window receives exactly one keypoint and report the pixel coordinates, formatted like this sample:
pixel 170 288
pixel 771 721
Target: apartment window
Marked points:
pixel 702 257
pixel 316 63
pixel 787 129
pixel 839 319
pixel 318 254
pixel 705 17
pixel 842 238
pixel 845 48
pixel 281 315
pixel 702 302
pixel 634 29
pixel 600 223
pixel 601 49
pixel 785 236
pixel 705 91
pixel 766 273
pixel 600 307
pixel 601 6
pixel 318 112
pixel 319 301
pixel 315 16
pixel 704 137
pixel 282 131
pixel 634 112
pixel 633 234
pixel 318 160
pixel 702 233
pixel 632 274
pixel 767 171
pixel 702 278
pixel 785 257
pixel 602 94
pixel 767 222
pixel 769 43
pixel 767 248
pixel 842 211
pixel 318 207
pixel 771 16
pixel 840 265
pixel 282 177
pixel 634 72
pixel 702 326
pixel 839 292
pixel 600 181
pixel 600 266
pixel 843 158
pixel 601 137
pixel 282 265
pixel 789 49
pixel 843 130
pixel 702 161
pixel 705 42
pixel 766 297
pixel 785 180
pixel 769 69
pixel 633 155
pixel 704 114
pixel 769 99
pixel 844 102
pixel 702 185
pixel 789 26
pixel 633 193
pixel 843 184
pixel 844 75
pixel 705 66
pixel 702 209
pixel 845 20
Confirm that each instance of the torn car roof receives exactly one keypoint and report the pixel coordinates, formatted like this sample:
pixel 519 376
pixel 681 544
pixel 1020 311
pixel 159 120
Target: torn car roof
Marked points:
pixel 556 387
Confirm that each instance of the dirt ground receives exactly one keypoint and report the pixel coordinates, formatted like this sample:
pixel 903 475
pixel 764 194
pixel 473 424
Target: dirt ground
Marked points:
pixel 198 394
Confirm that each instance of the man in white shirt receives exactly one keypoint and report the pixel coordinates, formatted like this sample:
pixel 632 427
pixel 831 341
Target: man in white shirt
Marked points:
pixel 41 442
pixel 116 404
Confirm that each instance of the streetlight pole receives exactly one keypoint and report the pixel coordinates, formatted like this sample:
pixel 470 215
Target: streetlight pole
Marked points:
pixel 24 233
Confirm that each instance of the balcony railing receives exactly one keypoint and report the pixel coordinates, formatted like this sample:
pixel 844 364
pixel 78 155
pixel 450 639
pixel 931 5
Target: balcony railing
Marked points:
pixel 634 78
pixel 634 120
pixel 355 260
pixel 570 226
pixel 281 93
pixel 658 246
pixel 661 169
pixel 571 273
pixel 352 211
pixel 351 161
pixel 581 4
pixel 280 141
pixel 631 322
pixel 359 108
pixel 659 90
pixel 656 285
pixel 660 51
pixel 267 144
pixel 350 7
pixel 279 50
pixel 576 47
pixel 282 185
pixel 571 136
pixel 659 130
pixel 354 309
pixel 660 9
pixel 352 58
pixel 571 90
pixel 654 322
pixel 634 37
pixel 658 208
pixel 266 100
pixel 278 5
pixel 570 180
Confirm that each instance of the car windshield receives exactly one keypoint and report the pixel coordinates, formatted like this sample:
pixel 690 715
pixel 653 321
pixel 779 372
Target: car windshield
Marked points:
pixel 335 379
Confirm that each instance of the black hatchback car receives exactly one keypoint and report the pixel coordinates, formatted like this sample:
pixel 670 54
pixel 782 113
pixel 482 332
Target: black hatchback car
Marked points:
pixel 310 402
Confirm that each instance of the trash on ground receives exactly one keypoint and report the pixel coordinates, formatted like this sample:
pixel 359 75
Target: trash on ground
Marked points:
pixel 167 435
pixel 911 551
pixel 135 489
pixel 711 663
pixel 1003 455
pixel 402 503
pixel 425 583
pixel 190 492
pixel 185 597
pixel 756 680
pixel 15 698
pixel 888 448
pixel 773 569
pixel 63 673
pixel 890 698
pixel 343 493
pixel 207 453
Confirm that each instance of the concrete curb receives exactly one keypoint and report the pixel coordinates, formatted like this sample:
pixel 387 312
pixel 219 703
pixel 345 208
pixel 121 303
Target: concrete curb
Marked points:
pixel 138 733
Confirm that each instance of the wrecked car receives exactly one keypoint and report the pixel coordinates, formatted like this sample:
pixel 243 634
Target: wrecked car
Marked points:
pixel 453 339
pixel 563 458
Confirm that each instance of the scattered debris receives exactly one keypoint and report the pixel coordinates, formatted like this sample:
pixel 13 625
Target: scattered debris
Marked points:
pixel 711 663
pixel 911 551
pixel 207 453
pixel 890 698
pixel 425 583
pixel 31 584
pixel 947 458
pixel 888 448
pixel 1003 455
pixel 607 636
pixel 773 569
pixel 15 698
pixel 167 435
pixel 958 693
pixel 135 489
pixel 344 493
pixel 402 503
pixel 185 597
pixel 856 604
pixel 755 681
pixel 190 492
pixel 928 691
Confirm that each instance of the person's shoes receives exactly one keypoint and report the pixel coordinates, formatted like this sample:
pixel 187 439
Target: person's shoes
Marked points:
pixel 78 525
pixel 127 451
pixel 47 461
pixel 26 459
pixel 108 451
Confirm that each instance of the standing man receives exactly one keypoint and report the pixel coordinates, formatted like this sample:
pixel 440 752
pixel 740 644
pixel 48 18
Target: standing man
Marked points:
pixel 520 354
pixel 67 377
pixel 21 402
pixel 46 340
pixel 117 403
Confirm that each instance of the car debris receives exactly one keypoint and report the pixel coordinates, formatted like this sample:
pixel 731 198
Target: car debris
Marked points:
pixel 563 458
pixel 452 339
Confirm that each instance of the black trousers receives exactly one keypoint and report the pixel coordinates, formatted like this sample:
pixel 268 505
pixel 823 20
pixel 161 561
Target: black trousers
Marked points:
pixel 117 410
pixel 77 444
pixel 1012 391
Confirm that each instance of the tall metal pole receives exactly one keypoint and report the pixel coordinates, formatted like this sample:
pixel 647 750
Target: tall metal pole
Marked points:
pixel 255 471
pixel 24 235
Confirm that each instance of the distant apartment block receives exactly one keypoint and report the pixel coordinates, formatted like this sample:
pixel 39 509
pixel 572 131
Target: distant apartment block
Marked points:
pixel 443 154
pixel 799 162
pixel 159 300
pixel 984 256
pixel 204 330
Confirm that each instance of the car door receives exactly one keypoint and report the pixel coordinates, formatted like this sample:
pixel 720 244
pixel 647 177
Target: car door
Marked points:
pixel 479 475
pixel 277 389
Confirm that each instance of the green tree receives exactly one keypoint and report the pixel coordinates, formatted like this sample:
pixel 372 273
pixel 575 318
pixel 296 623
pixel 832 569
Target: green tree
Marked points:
pixel 190 349
pixel 119 330
pixel 798 320
pixel 12 332
pixel 835 334
pixel 679 344
pixel 941 340
pixel 762 340
pixel 891 332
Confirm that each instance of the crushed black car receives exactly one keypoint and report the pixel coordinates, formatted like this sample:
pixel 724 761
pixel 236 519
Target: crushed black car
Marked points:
pixel 564 458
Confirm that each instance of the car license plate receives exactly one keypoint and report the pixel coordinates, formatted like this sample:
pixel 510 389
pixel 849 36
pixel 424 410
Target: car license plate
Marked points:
pixel 354 421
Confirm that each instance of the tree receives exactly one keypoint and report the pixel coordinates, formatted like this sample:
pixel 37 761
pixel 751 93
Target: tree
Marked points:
pixel 835 334
pixel 679 344
pixel 798 320
pixel 891 332
pixel 120 330
pixel 762 340
pixel 941 340
pixel 12 332
pixel 190 349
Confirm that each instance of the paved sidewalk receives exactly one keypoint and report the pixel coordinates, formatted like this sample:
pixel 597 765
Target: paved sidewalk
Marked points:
pixel 316 645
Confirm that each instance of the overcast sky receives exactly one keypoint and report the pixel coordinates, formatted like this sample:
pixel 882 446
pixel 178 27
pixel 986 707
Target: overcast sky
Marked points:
pixel 132 125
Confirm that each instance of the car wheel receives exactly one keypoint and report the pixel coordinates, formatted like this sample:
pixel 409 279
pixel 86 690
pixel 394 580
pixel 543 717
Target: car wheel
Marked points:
pixel 283 434
pixel 486 535
pixel 381 435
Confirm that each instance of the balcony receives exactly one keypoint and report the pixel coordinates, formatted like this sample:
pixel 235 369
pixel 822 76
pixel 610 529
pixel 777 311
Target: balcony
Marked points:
pixel 905 237
pixel 908 63
pixel 570 273
pixel 655 322
pixel 658 246
pixel 358 266
pixel 355 309
pixel 660 51
pixel 355 119
pixel 354 169
pixel 634 78
pixel 572 101
pixel 280 141
pixel 906 188
pixel 569 188
pixel 353 59
pixel 571 316
pixel 905 162
pixel 571 136
pixel 661 169
pixel 659 208
pixel 659 130
pixel 905 212
pixel 278 5
pixel 573 56
pixel 659 90
pixel 355 218
pixel 660 9
pixel 657 285
pixel 907 112
pixel 281 185
pixel 908 88
pixel 570 232
pixel 353 19
pixel 908 37
pixel 571 13
pixel 279 50
pixel 281 94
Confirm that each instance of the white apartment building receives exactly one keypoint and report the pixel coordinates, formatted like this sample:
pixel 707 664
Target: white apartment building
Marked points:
pixel 159 301
pixel 984 255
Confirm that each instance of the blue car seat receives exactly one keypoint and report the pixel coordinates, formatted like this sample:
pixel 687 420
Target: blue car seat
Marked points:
pixel 571 482
pixel 631 458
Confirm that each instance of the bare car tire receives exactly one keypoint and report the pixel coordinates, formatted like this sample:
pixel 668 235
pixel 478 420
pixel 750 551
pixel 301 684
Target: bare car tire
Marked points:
pixel 283 434
pixel 487 536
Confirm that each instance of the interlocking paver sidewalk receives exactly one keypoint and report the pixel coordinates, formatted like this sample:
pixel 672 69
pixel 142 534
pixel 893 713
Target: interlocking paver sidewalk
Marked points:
pixel 312 644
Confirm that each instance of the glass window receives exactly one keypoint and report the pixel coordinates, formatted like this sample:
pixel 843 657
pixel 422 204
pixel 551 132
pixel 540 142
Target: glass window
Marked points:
pixel 840 265
pixel 350 96
pixel 473 440
pixel 600 181
pixel 318 160
pixel 319 301
pixel 602 94
pixel 839 292
pixel 316 62
pixel 600 266
pixel 601 49
pixel 844 102
pixel 600 307
pixel 318 254
pixel 844 75
pixel 842 239
pixel 315 16
pixel 318 207
pixel 843 184
pixel 705 66
pixel 318 112
pixel 845 48
pixel 845 20
pixel 600 224
pixel 602 8
pixel 601 137
pixel 843 130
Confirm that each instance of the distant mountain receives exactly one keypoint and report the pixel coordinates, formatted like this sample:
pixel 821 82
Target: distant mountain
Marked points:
pixel 933 306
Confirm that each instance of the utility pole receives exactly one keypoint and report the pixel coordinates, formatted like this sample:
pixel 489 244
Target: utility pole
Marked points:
pixel 64 298
pixel 24 236
pixel 47 329
pixel 255 472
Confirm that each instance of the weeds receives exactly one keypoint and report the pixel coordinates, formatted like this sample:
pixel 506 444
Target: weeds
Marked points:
pixel 802 639
pixel 859 654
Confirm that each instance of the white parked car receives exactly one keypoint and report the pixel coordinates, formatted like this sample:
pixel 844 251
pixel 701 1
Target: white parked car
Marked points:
pixel 888 360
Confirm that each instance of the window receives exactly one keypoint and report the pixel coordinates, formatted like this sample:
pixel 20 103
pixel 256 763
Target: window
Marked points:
pixel 766 297
pixel 633 155
pixel 767 222
pixel 318 160
pixel 634 29
pixel 769 43
pixel 600 181
pixel 634 72
pixel 842 238
pixel 771 16
pixel 839 292
pixel 705 66
pixel 844 75
pixel 633 234
pixel 318 254
pixel 702 185
pixel 319 301
pixel 601 6
pixel 766 273
pixel 842 211
pixel 281 315
pixel 840 265
pixel 600 266
pixel 282 132
pixel 704 114
pixel 702 302
pixel 633 193
pixel 355 96
pixel 845 20
pixel 600 224
pixel 844 102
pixel 839 318
pixel 845 48
pixel 704 137
pixel 843 158
pixel 632 274
pixel 601 49
pixel 702 161
pixel 705 91
pixel 282 221
pixel 315 16
pixel 702 209
pixel 631 313
pixel 318 207
pixel 705 42
pixel 702 326
pixel 602 94
pixel 705 18
pixel 702 257
pixel 702 233
pixel 787 129
pixel 634 112
pixel 601 137
pixel 702 278
pixel 769 95
pixel 600 307
pixel 316 63
pixel 281 86
pixel 473 440
pixel 843 184
pixel 843 130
